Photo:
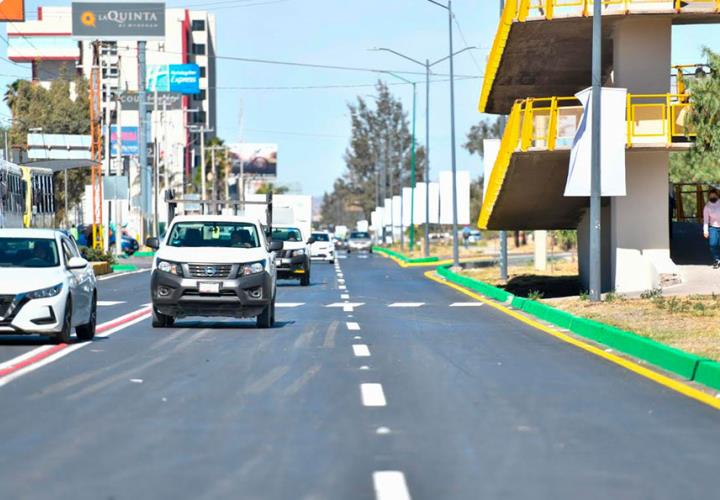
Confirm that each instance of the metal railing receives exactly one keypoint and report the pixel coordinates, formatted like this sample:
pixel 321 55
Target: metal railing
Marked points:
pixel 549 124
pixel 522 10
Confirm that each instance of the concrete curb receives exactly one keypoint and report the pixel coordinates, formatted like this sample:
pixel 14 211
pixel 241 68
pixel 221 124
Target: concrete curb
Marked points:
pixel 124 268
pixel 404 258
pixel 686 365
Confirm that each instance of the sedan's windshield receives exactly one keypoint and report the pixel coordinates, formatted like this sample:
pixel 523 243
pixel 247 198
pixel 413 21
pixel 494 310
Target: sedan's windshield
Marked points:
pixel 28 252
pixel 360 236
pixel 286 234
pixel 214 234
pixel 321 237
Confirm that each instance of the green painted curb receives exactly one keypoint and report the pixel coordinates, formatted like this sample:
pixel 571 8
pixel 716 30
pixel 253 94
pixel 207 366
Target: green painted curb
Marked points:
pixel 121 268
pixel 688 366
pixel 708 373
pixel 404 258
pixel 144 254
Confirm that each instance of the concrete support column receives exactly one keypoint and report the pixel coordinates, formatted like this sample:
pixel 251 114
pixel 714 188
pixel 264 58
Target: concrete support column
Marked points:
pixel 639 240
pixel 540 241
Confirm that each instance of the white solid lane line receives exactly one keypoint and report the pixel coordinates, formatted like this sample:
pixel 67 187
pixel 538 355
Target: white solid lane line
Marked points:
pixel 372 395
pixel 352 326
pixel 407 304
pixel 117 275
pixel 108 303
pixel 361 350
pixel 289 305
pixel 390 485
pixel 467 304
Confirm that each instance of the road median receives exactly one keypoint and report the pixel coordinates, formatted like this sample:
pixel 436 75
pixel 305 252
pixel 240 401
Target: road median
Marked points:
pixel 688 366
pixel 404 260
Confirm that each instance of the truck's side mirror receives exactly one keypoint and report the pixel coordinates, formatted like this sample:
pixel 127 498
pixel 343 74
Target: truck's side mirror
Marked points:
pixel 311 241
pixel 153 243
pixel 276 246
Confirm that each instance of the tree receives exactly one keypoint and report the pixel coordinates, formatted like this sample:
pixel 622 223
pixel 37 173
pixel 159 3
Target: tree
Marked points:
pixel 55 111
pixel 378 159
pixel 269 187
pixel 486 129
pixel 702 162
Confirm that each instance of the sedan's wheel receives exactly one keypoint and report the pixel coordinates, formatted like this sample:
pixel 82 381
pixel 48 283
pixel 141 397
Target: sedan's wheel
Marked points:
pixel 64 336
pixel 160 320
pixel 86 332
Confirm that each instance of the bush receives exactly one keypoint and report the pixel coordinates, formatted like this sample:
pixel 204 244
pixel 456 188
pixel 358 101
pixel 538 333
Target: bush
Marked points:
pixel 93 255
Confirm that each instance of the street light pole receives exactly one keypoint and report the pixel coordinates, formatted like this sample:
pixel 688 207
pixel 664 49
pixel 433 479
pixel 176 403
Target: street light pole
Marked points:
pixel 427 65
pixel 595 177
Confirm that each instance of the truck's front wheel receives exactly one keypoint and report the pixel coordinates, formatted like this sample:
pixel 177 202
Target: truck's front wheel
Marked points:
pixel 266 319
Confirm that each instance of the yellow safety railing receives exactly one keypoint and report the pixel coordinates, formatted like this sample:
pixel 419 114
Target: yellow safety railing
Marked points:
pixel 549 124
pixel 522 10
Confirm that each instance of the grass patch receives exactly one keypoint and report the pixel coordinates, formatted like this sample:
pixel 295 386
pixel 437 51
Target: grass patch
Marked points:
pixel 686 323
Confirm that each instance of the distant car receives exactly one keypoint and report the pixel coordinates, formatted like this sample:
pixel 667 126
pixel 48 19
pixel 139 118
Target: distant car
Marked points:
pixel 129 244
pixel 360 241
pixel 322 247
pixel 46 287
pixel 294 261
pixel 475 236
pixel 340 243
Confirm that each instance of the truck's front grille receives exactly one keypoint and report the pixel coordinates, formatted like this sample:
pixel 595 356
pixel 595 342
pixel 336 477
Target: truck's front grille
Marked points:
pixel 215 271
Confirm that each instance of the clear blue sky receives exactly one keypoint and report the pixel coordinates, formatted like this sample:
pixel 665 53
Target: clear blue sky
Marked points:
pixel 312 126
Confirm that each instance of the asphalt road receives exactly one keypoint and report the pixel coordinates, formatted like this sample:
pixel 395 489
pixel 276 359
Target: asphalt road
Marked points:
pixel 432 398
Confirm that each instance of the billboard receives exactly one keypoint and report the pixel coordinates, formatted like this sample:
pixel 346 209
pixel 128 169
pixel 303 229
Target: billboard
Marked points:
pixel 177 78
pixel 118 20
pixel 12 10
pixel 130 140
pixel 463 197
pixel 254 159
pixel 130 101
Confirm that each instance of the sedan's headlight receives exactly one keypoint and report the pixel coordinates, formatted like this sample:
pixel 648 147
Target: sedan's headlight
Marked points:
pixel 298 253
pixel 170 267
pixel 45 292
pixel 252 268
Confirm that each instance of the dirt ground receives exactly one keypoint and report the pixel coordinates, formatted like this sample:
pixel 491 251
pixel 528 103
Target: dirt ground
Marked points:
pixel 691 324
pixel 559 280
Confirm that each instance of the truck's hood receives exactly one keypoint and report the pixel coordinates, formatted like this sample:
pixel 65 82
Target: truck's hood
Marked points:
pixel 20 280
pixel 211 255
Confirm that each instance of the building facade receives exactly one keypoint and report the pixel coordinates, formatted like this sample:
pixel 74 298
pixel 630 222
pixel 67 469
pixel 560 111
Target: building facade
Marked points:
pixel 175 122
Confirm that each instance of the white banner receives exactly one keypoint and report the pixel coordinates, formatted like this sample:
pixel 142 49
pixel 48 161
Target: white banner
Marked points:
pixel 492 150
pixel 612 143
pixel 387 213
pixel 420 194
pixel 396 210
pixel 463 197
pixel 407 206
pixel 376 219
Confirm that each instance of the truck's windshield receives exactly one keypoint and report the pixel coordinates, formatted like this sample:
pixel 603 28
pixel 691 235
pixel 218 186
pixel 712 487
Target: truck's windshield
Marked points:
pixel 286 234
pixel 214 234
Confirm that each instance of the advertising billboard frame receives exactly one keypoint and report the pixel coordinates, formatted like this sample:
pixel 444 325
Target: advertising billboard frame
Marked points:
pixel 258 159
pixel 96 20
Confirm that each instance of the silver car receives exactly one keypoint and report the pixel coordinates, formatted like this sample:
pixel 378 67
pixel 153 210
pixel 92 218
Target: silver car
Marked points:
pixel 360 241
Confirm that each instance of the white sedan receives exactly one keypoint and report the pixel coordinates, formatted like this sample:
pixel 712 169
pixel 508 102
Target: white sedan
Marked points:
pixel 322 247
pixel 46 287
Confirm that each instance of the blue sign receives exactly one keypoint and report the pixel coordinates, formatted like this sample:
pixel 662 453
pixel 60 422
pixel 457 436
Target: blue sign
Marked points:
pixel 130 141
pixel 177 78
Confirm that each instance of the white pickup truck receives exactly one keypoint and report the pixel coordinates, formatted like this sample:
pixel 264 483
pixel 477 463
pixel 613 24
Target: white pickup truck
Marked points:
pixel 214 265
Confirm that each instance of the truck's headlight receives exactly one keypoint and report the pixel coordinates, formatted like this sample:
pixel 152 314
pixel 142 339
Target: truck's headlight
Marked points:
pixel 298 253
pixel 252 268
pixel 45 292
pixel 170 267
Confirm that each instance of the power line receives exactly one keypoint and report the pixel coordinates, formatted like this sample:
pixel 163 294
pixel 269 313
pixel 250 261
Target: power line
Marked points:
pixel 462 36
pixel 329 87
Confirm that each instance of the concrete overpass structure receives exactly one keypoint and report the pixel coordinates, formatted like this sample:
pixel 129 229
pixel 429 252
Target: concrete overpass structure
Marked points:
pixel 541 57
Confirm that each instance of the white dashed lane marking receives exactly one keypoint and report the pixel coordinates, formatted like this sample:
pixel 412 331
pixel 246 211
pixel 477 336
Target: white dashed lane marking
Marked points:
pixel 361 350
pixel 390 485
pixel 289 305
pixel 352 326
pixel 407 304
pixel 467 304
pixel 344 304
pixel 109 303
pixel 345 296
pixel 372 395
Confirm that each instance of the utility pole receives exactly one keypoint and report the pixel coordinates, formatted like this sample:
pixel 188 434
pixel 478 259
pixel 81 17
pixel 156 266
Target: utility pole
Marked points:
pixel 595 177
pixel 203 172
pixel 119 144
pixel 503 234
pixel 214 179
pixel 156 166
pixel 105 64
pixel 145 192
pixel 456 246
